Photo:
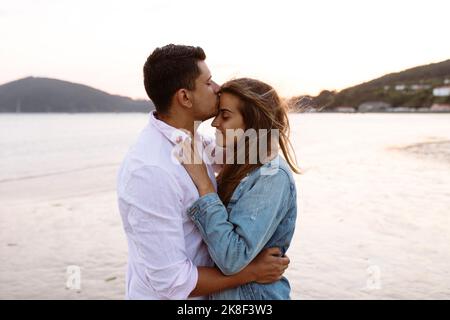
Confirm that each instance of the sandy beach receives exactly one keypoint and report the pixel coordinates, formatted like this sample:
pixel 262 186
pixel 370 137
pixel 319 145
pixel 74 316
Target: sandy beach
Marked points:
pixel 373 219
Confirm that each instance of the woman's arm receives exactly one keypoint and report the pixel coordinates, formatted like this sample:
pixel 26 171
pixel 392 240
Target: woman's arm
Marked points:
pixel 234 242
pixel 256 215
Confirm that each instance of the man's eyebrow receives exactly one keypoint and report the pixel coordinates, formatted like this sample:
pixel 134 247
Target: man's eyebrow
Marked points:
pixel 210 77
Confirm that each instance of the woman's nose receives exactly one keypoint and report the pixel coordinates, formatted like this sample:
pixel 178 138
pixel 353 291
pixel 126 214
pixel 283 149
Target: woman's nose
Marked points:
pixel 215 123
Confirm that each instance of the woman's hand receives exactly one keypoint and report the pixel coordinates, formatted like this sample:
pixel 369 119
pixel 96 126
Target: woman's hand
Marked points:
pixel 192 161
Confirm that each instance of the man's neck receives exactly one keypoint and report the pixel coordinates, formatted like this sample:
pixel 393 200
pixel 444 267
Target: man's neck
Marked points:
pixel 179 122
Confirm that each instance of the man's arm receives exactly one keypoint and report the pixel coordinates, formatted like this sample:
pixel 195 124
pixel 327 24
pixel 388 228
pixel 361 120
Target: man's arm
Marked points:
pixel 266 268
pixel 155 233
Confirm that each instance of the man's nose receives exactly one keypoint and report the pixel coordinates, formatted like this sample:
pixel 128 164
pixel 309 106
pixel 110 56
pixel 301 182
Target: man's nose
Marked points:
pixel 216 87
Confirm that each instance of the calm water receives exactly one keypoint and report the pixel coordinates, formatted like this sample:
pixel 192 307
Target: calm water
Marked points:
pixel 374 205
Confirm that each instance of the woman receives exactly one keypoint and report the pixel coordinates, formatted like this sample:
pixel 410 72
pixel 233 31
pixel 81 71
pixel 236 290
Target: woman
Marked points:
pixel 255 206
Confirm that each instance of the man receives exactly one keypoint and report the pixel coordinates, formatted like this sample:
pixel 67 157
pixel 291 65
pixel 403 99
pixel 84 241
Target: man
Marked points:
pixel 167 256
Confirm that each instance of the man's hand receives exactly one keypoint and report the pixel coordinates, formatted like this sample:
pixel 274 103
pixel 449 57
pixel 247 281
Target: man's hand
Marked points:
pixel 268 266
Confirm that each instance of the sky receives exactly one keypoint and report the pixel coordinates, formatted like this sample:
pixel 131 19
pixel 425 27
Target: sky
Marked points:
pixel 299 47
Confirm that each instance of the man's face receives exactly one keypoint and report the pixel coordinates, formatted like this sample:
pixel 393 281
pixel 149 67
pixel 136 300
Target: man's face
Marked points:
pixel 205 94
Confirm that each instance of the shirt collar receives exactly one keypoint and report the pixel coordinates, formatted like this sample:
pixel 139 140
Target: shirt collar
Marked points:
pixel 171 133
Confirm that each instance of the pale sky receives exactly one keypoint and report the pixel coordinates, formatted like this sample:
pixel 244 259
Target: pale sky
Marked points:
pixel 297 46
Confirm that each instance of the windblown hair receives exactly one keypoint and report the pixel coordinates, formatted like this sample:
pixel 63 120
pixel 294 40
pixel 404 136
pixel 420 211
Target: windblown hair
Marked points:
pixel 261 108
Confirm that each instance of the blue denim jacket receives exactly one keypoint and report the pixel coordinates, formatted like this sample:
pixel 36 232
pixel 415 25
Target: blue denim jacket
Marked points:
pixel 261 214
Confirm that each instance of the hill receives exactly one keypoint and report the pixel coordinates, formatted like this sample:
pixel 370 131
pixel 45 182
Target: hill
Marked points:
pixel 411 88
pixel 51 95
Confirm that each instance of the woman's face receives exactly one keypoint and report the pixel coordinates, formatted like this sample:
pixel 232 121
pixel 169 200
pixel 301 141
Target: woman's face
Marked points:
pixel 228 118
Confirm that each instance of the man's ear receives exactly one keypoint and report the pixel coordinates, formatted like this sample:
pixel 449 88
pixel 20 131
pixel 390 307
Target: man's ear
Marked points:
pixel 184 98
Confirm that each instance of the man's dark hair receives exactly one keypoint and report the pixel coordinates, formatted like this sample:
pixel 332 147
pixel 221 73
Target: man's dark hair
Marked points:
pixel 169 69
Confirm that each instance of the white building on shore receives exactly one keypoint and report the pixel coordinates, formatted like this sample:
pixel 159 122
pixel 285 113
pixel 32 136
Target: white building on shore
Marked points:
pixel 441 91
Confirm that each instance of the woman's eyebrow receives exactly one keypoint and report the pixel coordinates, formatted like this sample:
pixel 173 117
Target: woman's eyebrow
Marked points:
pixel 224 109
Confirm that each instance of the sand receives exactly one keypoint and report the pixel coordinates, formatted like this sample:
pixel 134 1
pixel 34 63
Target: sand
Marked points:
pixel 373 220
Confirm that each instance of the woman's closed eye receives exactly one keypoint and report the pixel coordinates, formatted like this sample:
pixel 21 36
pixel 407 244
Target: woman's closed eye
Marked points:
pixel 224 113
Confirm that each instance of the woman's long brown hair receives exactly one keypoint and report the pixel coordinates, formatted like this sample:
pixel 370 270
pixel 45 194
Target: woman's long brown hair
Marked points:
pixel 261 108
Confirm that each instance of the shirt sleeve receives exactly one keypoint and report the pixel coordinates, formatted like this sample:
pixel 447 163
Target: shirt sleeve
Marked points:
pixel 155 219
pixel 234 242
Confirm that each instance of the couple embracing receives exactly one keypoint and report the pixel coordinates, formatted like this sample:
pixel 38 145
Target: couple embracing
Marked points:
pixel 208 225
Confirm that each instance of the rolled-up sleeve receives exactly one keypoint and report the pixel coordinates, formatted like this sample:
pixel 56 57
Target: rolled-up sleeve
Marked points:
pixel 156 232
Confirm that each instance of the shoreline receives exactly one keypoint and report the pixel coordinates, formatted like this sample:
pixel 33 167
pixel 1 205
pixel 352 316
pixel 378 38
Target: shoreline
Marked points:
pixel 377 112
pixel 435 149
pixel 366 202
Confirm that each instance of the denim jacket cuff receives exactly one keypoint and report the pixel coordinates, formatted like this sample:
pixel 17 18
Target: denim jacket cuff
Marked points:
pixel 201 205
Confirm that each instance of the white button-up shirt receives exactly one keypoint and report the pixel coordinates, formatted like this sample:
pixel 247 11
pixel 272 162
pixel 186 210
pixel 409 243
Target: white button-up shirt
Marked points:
pixel 154 193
